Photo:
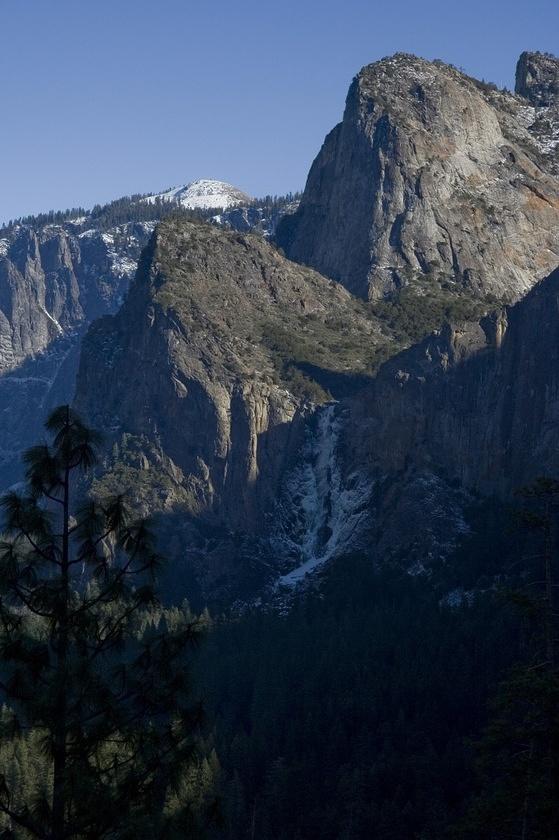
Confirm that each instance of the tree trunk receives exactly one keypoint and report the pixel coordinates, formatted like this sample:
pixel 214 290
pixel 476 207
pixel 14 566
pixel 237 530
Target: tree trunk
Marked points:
pixel 60 724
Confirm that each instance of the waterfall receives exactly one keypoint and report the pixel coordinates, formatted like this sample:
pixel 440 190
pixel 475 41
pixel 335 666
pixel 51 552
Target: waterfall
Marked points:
pixel 324 512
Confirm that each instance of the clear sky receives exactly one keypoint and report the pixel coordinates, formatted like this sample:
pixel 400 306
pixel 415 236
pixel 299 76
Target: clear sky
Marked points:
pixel 103 98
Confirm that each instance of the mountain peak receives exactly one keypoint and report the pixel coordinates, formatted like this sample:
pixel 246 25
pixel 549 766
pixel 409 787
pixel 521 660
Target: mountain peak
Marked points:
pixel 433 174
pixel 401 68
pixel 203 194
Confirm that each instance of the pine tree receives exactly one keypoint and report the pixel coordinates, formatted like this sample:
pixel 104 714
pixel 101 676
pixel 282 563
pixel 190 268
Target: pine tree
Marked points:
pixel 109 702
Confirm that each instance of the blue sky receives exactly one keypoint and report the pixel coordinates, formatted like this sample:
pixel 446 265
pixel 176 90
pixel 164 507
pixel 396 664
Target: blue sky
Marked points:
pixel 102 99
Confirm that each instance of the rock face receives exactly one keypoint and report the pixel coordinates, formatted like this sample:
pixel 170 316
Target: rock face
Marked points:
pixel 537 78
pixel 470 412
pixel 53 282
pixel 194 379
pixel 431 178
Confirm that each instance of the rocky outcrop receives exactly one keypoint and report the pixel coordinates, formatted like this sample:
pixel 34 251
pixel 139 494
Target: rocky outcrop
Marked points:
pixel 537 78
pixel 537 82
pixel 431 179
pixel 204 377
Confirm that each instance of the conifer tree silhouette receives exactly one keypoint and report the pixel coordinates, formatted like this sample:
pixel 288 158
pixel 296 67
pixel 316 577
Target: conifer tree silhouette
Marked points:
pixel 109 701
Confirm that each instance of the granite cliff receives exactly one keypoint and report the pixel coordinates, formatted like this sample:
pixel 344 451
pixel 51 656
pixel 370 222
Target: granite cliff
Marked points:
pixel 54 280
pixel 207 384
pixel 469 413
pixel 479 397
pixel 431 178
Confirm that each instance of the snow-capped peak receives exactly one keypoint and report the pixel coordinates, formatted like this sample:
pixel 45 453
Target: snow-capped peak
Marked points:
pixel 203 194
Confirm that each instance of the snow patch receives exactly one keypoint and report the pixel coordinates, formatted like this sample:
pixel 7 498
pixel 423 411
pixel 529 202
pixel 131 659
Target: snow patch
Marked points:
pixel 526 115
pixel 543 125
pixel 147 227
pixel 122 266
pixel 52 320
pixel 202 194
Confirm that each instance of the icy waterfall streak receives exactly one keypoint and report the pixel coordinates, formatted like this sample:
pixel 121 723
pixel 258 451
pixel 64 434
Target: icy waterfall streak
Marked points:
pixel 332 510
